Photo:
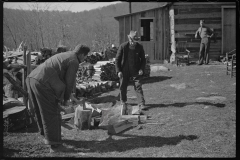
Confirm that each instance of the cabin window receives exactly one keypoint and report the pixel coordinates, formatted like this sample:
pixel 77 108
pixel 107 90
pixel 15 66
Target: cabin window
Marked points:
pixel 147 30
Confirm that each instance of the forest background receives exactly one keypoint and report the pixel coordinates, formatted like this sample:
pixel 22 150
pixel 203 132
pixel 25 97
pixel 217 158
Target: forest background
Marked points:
pixel 42 28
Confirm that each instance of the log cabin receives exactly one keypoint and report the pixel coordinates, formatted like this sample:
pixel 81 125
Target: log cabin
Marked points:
pixel 161 28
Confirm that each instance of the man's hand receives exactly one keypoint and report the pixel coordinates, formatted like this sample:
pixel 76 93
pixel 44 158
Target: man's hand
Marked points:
pixel 195 36
pixel 120 74
pixel 140 72
pixel 66 103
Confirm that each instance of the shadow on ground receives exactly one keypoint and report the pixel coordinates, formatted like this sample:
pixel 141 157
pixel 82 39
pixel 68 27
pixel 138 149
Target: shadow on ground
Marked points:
pixel 105 99
pixel 150 106
pixel 131 142
pixel 155 79
pixel 32 128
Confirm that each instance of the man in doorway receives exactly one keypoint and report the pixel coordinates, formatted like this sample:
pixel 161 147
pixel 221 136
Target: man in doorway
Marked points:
pixel 206 34
pixel 130 63
pixel 49 84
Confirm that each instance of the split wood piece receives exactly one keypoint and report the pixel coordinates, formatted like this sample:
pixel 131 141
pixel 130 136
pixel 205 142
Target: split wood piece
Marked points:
pixel 119 127
pixel 133 110
pixel 131 118
pixel 105 111
pixel 124 110
pixel 95 111
pixel 82 119
pixel 15 84
pixel 67 116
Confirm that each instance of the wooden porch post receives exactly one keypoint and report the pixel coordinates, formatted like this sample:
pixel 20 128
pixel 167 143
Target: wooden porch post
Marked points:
pixel 172 34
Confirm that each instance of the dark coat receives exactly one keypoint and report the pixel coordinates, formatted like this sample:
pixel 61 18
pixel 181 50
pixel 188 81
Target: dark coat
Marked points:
pixel 122 55
pixel 58 73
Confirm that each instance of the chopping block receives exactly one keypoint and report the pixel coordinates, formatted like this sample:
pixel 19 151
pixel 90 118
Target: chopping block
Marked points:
pixel 82 118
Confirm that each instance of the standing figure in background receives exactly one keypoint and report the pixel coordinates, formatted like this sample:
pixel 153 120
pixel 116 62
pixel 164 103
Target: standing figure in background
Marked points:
pixel 130 63
pixel 205 33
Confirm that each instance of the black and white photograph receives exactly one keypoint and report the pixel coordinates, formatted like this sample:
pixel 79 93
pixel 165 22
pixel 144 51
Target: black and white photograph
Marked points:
pixel 119 79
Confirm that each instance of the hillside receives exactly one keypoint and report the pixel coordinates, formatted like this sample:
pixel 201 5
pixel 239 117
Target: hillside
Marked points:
pixel 42 28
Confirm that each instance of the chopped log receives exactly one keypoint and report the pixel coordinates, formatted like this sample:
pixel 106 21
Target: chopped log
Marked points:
pixel 130 118
pixel 95 111
pixel 67 116
pixel 124 110
pixel 82 119
pixel 119 127
pixel 133 110
pixel 15 84
pixel 104 113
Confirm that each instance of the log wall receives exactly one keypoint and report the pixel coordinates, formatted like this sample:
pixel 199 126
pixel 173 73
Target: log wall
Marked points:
pixel 187 17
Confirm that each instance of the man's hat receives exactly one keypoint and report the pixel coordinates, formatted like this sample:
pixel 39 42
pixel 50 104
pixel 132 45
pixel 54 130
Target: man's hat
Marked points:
pixel 133 35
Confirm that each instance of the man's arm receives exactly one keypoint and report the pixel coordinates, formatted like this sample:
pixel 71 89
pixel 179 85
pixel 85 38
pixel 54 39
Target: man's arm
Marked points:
pixel 118 59
pixel 196 33
pixel 70 78
pixel 211 32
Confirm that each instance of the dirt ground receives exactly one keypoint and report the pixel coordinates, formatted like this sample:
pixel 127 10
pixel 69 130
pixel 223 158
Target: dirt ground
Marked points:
pixel 194 106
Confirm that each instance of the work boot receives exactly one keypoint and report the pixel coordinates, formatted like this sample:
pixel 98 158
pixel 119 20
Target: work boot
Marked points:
pixel 59 148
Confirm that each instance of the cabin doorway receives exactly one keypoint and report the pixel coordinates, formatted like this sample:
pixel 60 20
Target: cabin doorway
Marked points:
pixel 228 28
pixel 147 36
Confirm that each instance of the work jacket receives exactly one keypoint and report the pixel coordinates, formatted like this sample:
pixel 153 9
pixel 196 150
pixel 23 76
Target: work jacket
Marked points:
pixel 58 73
pixel 122 55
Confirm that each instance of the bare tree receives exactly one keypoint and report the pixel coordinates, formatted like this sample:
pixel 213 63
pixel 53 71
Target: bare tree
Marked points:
pixel 13 35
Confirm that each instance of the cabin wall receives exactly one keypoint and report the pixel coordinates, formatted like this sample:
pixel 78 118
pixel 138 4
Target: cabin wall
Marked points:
pixel 187 18
pixel 160 45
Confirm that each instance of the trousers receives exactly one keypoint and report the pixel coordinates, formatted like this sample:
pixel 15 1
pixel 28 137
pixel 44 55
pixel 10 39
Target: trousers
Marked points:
pixel 204 50
pixel 47 111
pixel 124 82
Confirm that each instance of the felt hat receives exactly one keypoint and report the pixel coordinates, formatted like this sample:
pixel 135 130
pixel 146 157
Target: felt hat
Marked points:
pixel 133 35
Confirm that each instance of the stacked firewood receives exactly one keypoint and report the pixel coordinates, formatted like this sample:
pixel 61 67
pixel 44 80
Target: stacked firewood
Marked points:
pixel 94 57
pixel 108 72
pixel 84 73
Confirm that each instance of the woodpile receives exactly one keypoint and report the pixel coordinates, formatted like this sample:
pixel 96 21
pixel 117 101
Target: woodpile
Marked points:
pixel 94 57
pixel 84 115
pixel 89 89
pixel 84 73
pixel 108 72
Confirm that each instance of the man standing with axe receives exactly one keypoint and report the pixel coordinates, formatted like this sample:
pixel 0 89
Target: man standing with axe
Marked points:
pixel 130 64
pixel 50 83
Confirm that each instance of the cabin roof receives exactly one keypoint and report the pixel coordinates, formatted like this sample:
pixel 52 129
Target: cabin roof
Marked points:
pixel 165 4
pixel 174 3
